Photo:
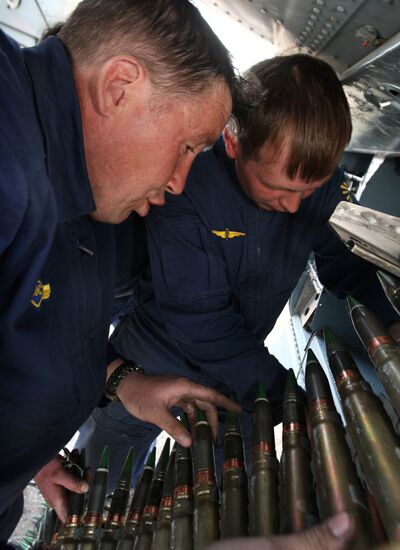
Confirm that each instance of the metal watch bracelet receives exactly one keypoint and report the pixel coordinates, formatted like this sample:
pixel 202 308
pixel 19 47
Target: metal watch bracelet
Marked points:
pixel 125 368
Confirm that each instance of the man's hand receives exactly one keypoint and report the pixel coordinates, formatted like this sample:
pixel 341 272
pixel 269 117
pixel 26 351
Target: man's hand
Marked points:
pixel 53 481
pixel 149 398
pixel 334 534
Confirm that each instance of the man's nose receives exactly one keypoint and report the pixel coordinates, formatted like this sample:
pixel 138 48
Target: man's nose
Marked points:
pixel 291 201
pixel 178 181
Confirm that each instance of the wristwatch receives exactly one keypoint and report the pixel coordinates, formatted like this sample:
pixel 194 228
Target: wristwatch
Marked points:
pixel 125 368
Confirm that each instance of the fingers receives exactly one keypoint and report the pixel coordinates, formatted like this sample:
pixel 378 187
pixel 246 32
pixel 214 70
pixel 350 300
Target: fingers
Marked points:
pixel 72 483
pixel 334 534
pixel 202 393
pixel 174 428
pixel 53 480
pixel 190 409
pixel 58 501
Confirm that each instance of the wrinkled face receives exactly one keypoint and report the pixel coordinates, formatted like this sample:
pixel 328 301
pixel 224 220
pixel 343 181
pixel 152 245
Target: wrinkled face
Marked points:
pixel 265 181
pixel 148 151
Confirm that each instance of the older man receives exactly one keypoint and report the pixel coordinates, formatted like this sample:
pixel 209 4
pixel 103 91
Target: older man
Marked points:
pixel 95 124
pixel 227 253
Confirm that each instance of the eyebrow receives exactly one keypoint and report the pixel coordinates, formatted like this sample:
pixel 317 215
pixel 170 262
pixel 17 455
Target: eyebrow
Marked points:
pixel 279 188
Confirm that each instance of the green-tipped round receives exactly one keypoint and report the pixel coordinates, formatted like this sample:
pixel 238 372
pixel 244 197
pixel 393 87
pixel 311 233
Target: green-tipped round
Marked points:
pixel 151 459
pixel 329 335
pixel 261 391
pixel 317 384
pixel 98 490
pixel 119 501
pixel 262 430
pixel 291 384
pixel 230 415
pixel 126 471
pixel 339 358
pixel 201 417
pixel 185 421
pixel 82 459
pixel 232 424
pixel 104 459
pixel 168 487
pixel 163 460
pixel 311 357
pixel 293 410
pixel 331 342
pixel 391 287
pixel 385 278
pixel 352 303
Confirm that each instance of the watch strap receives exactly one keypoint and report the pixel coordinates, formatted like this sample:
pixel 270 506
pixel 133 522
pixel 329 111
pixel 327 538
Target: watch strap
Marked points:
pixel 112 385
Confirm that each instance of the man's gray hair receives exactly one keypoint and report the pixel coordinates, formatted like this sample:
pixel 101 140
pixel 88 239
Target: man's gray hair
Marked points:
pixel 172 40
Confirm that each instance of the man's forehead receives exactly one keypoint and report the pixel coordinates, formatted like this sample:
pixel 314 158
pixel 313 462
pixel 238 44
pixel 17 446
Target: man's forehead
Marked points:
pixel 210 116
pixel 273 155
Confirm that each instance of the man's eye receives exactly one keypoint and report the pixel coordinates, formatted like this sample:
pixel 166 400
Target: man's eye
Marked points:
pixel 190 149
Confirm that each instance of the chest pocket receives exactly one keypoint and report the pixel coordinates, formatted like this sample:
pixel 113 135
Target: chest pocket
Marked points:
pixel 192 265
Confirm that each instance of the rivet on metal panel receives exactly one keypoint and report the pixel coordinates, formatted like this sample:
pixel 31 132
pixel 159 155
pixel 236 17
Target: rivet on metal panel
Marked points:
pixel 340 9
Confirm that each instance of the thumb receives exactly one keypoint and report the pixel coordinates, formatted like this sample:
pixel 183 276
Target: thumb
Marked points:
pixel 175 429
pixel 71 482
pixel 336 533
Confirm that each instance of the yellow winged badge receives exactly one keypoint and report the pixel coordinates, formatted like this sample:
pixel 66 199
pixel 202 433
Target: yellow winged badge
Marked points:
pixel 346 191
pixel 228 234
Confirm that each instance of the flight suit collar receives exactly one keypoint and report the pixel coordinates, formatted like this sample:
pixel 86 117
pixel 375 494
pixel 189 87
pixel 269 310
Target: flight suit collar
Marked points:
pixel 239 197
pixel 59 114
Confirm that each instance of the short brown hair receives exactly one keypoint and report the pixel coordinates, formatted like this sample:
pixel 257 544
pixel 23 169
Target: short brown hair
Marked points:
pixel 173 41
pixel 301 105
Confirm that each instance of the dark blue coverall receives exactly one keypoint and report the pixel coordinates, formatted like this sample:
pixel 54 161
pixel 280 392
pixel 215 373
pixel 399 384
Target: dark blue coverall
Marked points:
pixel 222 270
pixel 56 266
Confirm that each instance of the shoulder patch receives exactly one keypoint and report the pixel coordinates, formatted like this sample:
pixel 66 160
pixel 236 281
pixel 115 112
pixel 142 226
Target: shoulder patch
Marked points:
pixel 228 234
pixel 346 191
pixel 41 293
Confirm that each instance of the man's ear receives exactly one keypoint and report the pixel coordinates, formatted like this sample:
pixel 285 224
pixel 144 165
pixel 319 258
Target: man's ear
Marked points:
pixel 114 83
pixel 231 143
